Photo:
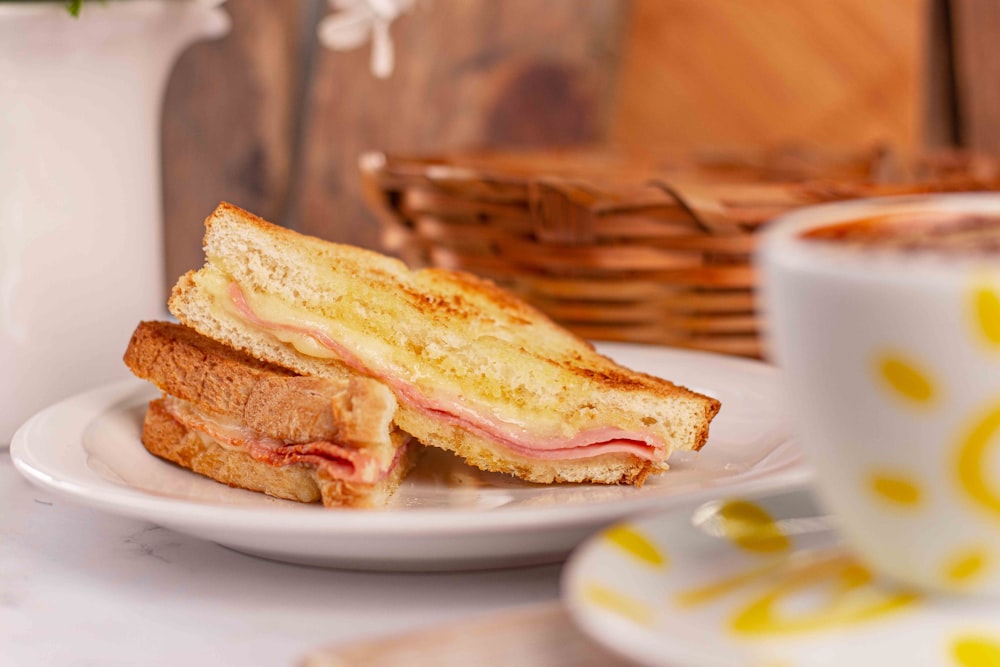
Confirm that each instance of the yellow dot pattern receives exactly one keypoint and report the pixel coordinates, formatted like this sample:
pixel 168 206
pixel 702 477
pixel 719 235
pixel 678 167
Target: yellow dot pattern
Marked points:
pixel 844 589
pixel 905 379
pixel 692 597
pixel 987 309
pixel 896 489
pixel 750 527
pixel 976 651
pixel 850 597
pixel 618 603
pixel 972 462
pixel 636 545
pixel 966 566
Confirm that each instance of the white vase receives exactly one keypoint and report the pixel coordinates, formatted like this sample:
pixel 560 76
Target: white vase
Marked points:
pixel 81 250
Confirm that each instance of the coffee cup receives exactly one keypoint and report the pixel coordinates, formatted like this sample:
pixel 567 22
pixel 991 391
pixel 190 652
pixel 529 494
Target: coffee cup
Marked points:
pixel 884 316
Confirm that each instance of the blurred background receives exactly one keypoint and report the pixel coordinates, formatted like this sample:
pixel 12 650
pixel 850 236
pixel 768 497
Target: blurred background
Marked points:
pixel 272 120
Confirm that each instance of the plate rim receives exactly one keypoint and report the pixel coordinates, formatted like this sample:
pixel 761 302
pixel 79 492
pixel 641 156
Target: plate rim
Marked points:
pixel 129 501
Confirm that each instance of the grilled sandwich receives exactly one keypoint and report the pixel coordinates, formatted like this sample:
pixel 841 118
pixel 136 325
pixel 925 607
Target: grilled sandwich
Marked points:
pixel 254 425
pixel 473 369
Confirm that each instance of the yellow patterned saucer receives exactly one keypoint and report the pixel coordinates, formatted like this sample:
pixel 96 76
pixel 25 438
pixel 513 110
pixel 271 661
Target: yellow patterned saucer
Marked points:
pixel 762 581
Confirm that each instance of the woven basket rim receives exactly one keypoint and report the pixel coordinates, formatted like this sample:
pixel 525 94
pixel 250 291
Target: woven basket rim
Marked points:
pixel 668 240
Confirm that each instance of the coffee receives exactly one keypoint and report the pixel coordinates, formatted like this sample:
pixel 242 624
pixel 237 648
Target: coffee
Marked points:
pixel 938 232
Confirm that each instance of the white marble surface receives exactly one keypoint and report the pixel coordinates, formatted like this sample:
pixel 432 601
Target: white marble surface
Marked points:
pixel 81 588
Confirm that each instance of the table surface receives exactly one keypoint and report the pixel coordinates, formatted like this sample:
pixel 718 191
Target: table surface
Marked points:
pixel 83 588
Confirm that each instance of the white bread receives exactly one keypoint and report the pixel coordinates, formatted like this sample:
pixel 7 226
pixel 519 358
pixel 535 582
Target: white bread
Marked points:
pixel 266 398
pixel 449 336
pixel 168 439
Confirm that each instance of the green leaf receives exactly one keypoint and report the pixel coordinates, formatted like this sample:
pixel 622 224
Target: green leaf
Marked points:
pixel 73 7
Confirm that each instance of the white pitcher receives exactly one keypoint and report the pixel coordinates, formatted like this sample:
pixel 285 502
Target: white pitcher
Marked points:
pixel 81 249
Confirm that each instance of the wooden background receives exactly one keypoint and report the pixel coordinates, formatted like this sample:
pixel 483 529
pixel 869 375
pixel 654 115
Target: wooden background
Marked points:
pixel 270 120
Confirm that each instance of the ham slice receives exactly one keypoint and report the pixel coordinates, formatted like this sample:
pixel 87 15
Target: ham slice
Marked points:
pixel 514 437
pixel 333 460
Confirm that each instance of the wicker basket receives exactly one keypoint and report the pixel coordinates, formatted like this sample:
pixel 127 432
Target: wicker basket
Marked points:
pixel 650 248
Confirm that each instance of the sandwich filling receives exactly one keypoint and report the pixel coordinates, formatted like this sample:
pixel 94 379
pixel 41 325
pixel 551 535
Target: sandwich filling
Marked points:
pixel 333 460
pixel 514 437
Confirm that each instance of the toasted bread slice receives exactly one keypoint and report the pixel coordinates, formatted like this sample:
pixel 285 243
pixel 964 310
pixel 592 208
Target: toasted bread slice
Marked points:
pixel 474 369
pixel 168 439
pixel 266 398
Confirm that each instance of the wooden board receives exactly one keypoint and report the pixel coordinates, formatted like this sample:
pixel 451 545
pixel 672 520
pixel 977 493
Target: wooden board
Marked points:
pixel 468 74
pixel 702 73
pixel 976 27
pixel 228 125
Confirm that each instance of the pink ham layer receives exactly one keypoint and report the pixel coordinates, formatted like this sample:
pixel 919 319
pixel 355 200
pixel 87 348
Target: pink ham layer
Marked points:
pixel 585 444
pixel 335 461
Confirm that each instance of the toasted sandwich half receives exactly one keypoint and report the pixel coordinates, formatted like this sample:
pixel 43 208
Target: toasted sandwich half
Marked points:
pixel 475 370
pixel 254 425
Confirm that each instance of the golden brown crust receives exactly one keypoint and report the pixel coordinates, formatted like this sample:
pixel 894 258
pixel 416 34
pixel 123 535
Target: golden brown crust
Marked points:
pixel 616 468
pixel 168 439
pixel 266 398
pixel 458 343
pixel 710 409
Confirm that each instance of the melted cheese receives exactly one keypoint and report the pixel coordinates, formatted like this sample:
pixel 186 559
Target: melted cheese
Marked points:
pixel 309 335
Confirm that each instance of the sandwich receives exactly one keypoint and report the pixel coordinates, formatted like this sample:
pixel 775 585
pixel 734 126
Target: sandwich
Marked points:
pixel 251 424
pixel 473 369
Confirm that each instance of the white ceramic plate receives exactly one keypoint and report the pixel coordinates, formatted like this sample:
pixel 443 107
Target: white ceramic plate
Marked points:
pixel 445 516
pixel 761 581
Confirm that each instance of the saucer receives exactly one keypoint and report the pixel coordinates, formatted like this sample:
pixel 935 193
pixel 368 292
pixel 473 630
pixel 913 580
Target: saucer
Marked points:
pixel 764 581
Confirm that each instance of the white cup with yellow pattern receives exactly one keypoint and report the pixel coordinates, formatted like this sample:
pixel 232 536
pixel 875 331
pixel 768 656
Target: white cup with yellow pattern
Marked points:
pixel 884 315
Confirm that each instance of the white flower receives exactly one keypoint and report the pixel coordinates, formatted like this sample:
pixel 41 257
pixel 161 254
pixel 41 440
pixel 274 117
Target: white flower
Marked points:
pixel 353 21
